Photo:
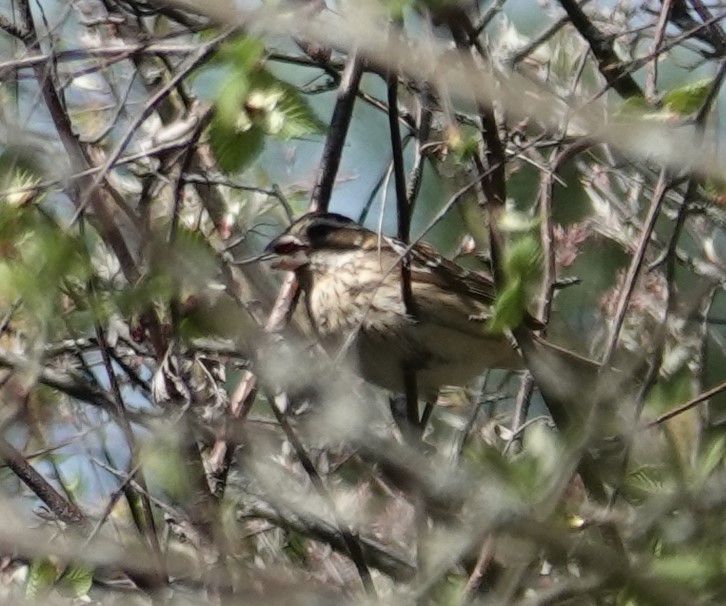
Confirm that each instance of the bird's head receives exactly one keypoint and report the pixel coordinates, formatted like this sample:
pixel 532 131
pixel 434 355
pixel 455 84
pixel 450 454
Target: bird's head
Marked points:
pixel 312 234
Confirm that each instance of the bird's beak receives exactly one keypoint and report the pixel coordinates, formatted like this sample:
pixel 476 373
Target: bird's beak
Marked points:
pixel 289 252
pixel 289 263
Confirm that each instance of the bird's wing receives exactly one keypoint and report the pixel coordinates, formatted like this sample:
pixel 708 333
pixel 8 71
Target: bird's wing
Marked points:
pixel 432 268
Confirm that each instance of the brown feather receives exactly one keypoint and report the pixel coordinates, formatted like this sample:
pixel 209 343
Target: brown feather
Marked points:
pixel 352 283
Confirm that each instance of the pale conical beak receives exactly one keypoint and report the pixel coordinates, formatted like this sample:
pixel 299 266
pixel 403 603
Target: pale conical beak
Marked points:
pixel 290 252
pixel 291 263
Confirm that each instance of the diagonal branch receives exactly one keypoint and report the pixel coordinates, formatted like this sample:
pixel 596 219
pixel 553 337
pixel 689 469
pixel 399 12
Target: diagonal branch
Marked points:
pixel 64 510
pixel 334 142
pixel 602 48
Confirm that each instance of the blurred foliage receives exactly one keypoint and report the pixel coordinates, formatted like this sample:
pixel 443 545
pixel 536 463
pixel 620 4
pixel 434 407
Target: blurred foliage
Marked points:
pixel 172 448
pixel 72 581
pixel 521 267
pixel 689 98
pixel 251 104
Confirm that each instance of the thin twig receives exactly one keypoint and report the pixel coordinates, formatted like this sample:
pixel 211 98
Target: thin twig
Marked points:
pixel 674 412
pixel 652 77
pixel 202 55
pixel 352 541
pixel 636 263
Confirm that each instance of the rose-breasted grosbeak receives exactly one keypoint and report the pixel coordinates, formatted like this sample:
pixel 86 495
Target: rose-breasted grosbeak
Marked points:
pixel 352 281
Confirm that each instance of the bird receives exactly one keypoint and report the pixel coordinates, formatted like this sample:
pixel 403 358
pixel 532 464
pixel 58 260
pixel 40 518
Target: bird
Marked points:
pixel 353 294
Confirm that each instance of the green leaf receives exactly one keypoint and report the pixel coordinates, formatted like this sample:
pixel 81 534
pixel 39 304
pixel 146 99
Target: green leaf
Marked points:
pixel 76 581
pixel 521 266
pixel 695 569
pixel 449 590
pixel 689 98
pixel 397 8
pixel 250 106
pixel 644 482
pixel 243 52
pixel 715 188
pixel 296 547
pixel 522 259
pixel 251 102
pixel 156 286
pixel 230 100
pixel 462 142
pixel 298 118
pixel 164 462
pixel 509 307
pixel 18 158
pixel 41 578
pixel 234 150
pixel 514 222
pixel 634 106
pixel 38 257
pixel 279 108
pixel 637 108
pixel 711 459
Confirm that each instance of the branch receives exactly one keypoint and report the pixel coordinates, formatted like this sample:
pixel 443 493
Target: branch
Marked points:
pixel 69 383
pixel 602 48
pixel 350 540
pixel 339 124
pixel 387 562
pixel 64 510
pixel 12 29
pixel 636 263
